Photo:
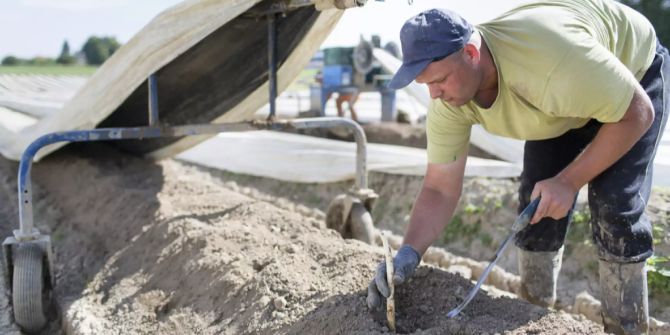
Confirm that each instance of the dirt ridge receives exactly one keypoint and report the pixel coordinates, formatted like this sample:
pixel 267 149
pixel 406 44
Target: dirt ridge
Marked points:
pixel 168 248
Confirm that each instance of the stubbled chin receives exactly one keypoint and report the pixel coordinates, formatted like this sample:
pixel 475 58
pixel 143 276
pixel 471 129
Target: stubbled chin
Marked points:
pixel 454 103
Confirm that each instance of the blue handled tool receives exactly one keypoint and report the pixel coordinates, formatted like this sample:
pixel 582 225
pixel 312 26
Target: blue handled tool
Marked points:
pixel 520 223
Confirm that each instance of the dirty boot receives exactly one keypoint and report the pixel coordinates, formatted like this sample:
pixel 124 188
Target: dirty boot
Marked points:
pixel 539 275
pixel 624 298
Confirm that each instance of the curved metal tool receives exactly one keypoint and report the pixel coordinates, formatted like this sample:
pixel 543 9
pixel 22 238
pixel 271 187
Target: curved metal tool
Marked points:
pixel 520 223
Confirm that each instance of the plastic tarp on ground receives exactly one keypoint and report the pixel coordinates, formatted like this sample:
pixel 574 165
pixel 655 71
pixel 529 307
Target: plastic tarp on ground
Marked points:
pixel 306 159
pixel 38 95
pixel 210 59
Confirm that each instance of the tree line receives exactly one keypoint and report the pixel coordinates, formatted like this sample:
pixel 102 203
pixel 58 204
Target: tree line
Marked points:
pixel 94 52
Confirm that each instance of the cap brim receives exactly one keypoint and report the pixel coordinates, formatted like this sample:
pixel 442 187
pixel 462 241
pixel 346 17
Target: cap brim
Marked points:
pixel 407 73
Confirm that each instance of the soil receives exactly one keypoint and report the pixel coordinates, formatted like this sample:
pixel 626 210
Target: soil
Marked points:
pixel 170 248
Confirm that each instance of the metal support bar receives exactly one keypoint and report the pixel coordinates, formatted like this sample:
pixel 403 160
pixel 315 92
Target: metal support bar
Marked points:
pixel 293 4
pixel 27 230
pixel 359 136
pixel 272 63
pixel 263 9
pixel 153 100
pixel 339 4
pixel 284 6
pixel 389 109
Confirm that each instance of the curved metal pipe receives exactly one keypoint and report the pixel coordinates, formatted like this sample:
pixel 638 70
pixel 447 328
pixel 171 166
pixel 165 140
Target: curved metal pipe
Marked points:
pixel 27 230
pixel 359 136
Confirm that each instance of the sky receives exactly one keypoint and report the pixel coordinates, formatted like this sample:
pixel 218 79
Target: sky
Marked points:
pixel 30 28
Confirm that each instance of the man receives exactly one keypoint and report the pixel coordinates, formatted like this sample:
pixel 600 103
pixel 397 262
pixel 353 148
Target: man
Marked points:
pixel 350 96
pixel 347 94
pixel 582 81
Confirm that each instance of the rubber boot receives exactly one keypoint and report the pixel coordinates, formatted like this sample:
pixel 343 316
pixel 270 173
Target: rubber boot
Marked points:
pixel 539 276
pixel 625 307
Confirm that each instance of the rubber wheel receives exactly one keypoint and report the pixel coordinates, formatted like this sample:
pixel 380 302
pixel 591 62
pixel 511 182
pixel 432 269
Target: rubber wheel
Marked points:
pixel 28 288
pixel 334 217
pixel 363 57
pixel 362 227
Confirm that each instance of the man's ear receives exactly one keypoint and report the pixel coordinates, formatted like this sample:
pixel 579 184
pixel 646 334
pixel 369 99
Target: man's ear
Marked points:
pixel 471 53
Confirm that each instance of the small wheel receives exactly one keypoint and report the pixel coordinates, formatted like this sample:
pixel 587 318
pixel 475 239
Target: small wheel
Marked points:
pixel 363 57
pixel 360 221
pixel 336 219
pixel 28 287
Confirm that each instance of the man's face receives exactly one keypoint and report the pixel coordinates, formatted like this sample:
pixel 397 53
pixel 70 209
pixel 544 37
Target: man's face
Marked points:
pixel 453 79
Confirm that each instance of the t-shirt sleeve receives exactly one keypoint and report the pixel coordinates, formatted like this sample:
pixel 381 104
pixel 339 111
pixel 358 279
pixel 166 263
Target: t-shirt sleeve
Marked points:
pixel 448 135
pixel 589 82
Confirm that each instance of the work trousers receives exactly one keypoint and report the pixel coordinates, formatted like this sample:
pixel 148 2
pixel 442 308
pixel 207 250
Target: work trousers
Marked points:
pixel 617 197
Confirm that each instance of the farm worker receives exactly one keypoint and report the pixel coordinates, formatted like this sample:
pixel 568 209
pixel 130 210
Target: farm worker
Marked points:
pixel 582 81
pixel 347 94
pixel 350 96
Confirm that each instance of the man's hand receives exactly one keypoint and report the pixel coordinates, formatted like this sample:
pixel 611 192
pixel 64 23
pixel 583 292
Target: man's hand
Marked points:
pixel 404 264
pixel 557 194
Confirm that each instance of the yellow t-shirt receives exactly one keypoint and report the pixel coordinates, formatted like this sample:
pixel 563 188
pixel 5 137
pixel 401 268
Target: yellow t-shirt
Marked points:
pixel 560 64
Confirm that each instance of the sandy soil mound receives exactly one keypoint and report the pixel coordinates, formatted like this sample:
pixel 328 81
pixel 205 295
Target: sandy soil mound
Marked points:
pixel 167 248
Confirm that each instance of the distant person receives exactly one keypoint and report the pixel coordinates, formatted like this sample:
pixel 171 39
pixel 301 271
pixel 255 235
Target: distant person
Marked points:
pixel 350 96
pixel 346 94
pixel 583 82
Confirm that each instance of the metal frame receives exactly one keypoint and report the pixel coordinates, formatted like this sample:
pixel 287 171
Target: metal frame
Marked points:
pixel 272 63
pixel 27 233
pixel 27 230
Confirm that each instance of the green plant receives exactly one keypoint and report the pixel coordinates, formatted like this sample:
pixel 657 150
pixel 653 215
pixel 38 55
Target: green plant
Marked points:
pixel 98 49
pixel 457 228
pixel 65 57
pixel 12 61
pixel 580 217
pixel 486 239
pixel 658 233
pixel 41 61
pixel 580 230
pixel 658 274
pixel 472 209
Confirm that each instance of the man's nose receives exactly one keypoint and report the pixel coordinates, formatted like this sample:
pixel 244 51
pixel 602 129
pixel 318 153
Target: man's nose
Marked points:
pixel 435 92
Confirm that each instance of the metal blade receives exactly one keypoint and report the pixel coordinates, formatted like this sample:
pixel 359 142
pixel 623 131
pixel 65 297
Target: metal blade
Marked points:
pixel 520 223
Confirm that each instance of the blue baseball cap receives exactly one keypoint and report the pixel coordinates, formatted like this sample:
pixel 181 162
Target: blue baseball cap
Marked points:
pixel 430 35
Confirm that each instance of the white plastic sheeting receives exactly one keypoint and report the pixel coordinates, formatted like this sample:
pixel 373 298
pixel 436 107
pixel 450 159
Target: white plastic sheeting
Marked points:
pixel 169 35
pixel 38 95
pixel 307 159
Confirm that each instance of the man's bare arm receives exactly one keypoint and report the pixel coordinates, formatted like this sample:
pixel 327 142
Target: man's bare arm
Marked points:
pixel 435 203
pixel 609 145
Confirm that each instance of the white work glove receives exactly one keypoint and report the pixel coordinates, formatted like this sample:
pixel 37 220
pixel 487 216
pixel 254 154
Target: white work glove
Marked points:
pixel 404 264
